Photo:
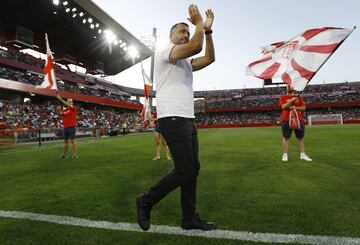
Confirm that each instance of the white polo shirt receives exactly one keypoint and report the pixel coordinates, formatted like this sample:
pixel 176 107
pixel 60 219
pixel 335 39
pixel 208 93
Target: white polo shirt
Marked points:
pixel 174 85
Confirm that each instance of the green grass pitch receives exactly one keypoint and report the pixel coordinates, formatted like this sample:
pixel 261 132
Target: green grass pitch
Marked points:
pixel 243 186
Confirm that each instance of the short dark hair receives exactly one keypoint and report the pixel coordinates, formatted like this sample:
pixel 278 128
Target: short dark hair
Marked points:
pixel 180 23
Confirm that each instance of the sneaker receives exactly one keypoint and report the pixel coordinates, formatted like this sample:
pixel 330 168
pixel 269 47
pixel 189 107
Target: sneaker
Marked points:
pixel 156 158
pixel 143 213
pixel 305 157
pixel 75 157
pixel 198 224
pixel 62 156
pixel 284 158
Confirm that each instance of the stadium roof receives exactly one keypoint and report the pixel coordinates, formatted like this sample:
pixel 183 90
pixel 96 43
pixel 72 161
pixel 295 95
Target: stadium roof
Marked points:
pixel 78 30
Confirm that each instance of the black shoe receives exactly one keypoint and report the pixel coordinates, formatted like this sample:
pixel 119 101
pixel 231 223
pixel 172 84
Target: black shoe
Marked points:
pixel 62 156
pixel 198 224
pixel 143 213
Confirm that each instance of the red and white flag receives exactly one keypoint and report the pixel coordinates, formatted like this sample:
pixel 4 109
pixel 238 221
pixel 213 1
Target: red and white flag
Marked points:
pixel 146 112
pixel 296 61
pixel 49 74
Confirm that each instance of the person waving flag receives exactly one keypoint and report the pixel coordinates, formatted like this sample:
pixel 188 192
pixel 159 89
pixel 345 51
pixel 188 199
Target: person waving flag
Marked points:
pixel 296 61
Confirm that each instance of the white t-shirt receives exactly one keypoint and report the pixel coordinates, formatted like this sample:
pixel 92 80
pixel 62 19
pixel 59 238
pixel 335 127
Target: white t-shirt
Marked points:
pixel 174 85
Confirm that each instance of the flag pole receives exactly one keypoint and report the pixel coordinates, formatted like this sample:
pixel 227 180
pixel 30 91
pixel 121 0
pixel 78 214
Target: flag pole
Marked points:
pixel 326 60
pixel 152 69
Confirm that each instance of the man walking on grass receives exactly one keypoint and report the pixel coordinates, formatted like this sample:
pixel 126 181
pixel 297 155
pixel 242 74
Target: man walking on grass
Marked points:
pixel 175 111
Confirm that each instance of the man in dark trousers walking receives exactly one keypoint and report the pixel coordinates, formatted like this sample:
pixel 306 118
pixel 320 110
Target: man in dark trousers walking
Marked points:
pixel 175 111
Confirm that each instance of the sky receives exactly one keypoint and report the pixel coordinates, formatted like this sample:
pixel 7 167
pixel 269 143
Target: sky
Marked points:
pixel 240 29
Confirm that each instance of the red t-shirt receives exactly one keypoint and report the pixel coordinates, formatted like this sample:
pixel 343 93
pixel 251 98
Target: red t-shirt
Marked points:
pixel 154 117
pixel 286 113
pixel 3 125
pixel 69 117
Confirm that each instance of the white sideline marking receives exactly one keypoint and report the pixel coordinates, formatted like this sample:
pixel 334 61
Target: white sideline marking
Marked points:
pixel 161 229
pixel 44 146
pixel 57 144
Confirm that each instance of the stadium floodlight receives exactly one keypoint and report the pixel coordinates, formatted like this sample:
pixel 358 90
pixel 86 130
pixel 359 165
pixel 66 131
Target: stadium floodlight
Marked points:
pixel 81 14
pixel 116 42
pixel 56 2
pixel 92 26
pixel 109 35
pixel 97 25
pixel 67 10
pixel 74 9
pixel 18 46
pixel 65 3
pixel 84 21
pixel 99 31
pixel 74 15
pixel 132 51
pixel 90 20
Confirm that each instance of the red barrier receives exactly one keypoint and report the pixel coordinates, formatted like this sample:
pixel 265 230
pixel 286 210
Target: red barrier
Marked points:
pixel 351 121
pixel 12 85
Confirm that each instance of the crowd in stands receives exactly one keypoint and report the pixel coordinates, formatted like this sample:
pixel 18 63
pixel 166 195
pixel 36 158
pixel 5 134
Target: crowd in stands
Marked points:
pixel 33 116
pixel 21 57
pixel 37 79
pixel 277 91
pixel 348 113
pixel 273 117
pixel 20 76
pixel 31 77
pixel 313 94
pixel 243 117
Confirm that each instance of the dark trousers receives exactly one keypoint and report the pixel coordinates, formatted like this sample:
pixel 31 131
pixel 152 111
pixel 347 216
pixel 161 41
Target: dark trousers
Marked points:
pixel 181 136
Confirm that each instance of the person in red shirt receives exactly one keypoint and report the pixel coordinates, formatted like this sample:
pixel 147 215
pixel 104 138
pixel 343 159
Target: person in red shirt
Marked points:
pixel 290 102
pixel 69 124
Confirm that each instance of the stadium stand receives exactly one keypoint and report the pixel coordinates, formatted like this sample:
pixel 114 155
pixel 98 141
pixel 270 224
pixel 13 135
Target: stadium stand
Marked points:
pixel 29 113
pixel 231 108
pixel 259 106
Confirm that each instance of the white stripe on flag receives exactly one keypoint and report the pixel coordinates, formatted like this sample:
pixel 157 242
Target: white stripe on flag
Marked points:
pixel 146 112
pixel 49 74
